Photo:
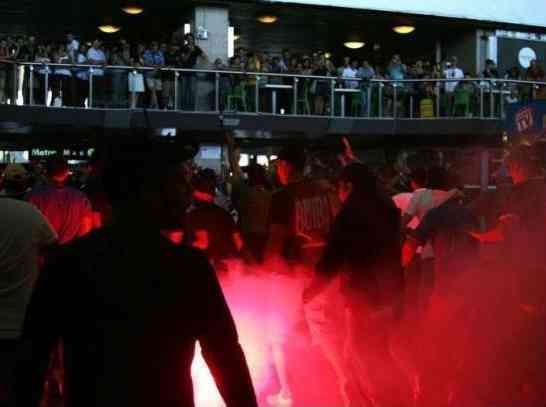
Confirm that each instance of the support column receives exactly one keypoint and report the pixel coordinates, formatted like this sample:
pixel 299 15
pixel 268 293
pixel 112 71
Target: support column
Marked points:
pixel 210 28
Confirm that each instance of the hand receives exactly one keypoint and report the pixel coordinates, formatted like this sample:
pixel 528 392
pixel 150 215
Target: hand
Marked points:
pixel 349 153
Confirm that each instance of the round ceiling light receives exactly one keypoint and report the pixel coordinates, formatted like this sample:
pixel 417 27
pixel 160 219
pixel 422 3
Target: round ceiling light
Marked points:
pixel 133 10
pixel 267 19
pixel 404 29
pixel 236 37
pixel 109 28
pixel 354 44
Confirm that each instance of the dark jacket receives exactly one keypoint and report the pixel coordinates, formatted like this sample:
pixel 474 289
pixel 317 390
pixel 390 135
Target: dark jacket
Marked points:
pixel 364 246
pixel 130 308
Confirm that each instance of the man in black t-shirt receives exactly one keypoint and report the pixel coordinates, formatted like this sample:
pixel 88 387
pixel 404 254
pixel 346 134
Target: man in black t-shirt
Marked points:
pixel 130 305
pixel 301 213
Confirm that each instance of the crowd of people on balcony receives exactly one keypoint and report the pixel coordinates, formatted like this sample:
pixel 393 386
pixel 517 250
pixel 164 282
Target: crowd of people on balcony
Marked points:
pixel 308 252
pixel 155 88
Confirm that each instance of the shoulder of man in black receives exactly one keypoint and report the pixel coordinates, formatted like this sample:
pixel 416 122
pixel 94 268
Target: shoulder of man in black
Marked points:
pixel 282 203
pixel 71 292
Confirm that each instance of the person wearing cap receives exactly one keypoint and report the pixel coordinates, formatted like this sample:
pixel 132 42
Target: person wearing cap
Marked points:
pixel 130 304
pixel 300 216
pixel 16 179
pixel 67 209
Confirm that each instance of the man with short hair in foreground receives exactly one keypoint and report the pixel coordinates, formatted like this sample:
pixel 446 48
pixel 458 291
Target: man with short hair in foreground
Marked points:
pixel 130 305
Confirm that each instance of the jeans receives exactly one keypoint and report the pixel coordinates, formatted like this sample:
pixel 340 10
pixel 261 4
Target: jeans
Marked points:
pixel 188 82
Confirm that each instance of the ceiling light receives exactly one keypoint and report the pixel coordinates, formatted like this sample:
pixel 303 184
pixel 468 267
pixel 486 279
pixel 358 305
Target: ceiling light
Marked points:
pixel 354 44
pixel 327 55
pixel 267 19
pixel 404 29
pixel 236 37
pixel 109 28
pixel 133 9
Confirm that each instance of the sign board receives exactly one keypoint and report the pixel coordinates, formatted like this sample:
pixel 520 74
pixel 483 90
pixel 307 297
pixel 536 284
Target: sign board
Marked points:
pixel 526 120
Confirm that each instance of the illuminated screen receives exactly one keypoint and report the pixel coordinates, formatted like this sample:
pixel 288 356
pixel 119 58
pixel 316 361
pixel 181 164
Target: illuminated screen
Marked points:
pixel 244 160
pixel 262 160
pixel 13 157
pixel 525 12
pixel 210 152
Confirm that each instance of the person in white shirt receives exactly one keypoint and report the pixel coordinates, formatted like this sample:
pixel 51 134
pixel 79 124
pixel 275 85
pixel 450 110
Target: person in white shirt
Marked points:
pixel 24 232
pixel 427 194
pixel 350 71
pixel 452 71
pixel 96 56
pixel 63 89
pixel 72 46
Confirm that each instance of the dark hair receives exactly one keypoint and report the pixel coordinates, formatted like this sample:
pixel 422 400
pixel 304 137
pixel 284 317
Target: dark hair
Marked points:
pixel 294 155
pixel 56 166
pixel 133 165
pixel 205 181
pixel 437 178
pixel 364 181
pixel 257 176
pixel 419 176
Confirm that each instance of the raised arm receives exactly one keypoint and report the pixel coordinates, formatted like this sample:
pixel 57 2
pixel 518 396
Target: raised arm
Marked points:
pixel 233 157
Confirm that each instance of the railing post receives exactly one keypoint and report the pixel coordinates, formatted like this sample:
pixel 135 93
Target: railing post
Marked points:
pixel 369 89
pixel 501 101
pixel 295 91
pixel 274 101
pixel 15 84
pixel 380 104
pixel 46 85
pixel 133 93
pixel 491 100
pixel 438 96
pixel 257 94
pixel 411 107
pixel 31 85
pixel 332 97
pixel 176 75
pixel 343 107
pixel 90 97
pixel 394 100
pixel 484 181
pixel 481 102
pixel 217 91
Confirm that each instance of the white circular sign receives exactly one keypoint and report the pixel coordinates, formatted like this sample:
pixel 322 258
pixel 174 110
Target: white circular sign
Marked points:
pixel 526 55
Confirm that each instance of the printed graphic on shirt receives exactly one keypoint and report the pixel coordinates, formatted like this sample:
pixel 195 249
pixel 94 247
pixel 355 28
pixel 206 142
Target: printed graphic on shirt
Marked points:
pixel 312 219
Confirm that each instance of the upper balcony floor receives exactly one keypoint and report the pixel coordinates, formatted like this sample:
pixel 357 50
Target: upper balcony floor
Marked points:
pixel 56 98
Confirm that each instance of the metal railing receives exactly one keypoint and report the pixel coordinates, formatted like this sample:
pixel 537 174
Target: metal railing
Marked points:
pixel 224 90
